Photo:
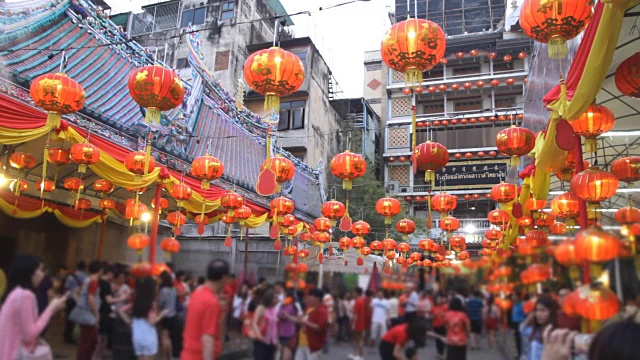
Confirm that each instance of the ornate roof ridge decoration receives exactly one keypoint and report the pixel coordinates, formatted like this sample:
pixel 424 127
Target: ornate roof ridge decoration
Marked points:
pixel 19 18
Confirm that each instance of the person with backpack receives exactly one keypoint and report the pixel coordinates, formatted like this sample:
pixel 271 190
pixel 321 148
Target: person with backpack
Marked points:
pixel 72 283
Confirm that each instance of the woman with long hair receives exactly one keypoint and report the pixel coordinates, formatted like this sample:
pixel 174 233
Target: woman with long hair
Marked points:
pixel 491 315
pixel 265 326
pixel 544 314
pixel 21 325
pixel 458 327
pixel 167 298
pixel 144 319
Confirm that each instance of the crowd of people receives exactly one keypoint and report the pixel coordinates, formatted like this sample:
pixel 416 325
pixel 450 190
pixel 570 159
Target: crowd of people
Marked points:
pixel 173 315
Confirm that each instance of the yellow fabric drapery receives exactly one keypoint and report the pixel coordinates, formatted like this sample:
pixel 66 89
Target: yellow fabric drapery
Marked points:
pixel 17 136
pixel 72 223
pixel 14 212
pixel 549 157
pixel 17 213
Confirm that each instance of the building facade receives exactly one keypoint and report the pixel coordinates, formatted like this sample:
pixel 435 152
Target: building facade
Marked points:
pixel 475 92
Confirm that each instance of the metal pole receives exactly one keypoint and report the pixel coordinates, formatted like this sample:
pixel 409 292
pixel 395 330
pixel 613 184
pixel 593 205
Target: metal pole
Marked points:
pixel 103 227
pixel 582 218
pixel 246 254
pixel 155 220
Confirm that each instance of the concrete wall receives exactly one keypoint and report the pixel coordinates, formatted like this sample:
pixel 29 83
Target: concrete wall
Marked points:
pixel 375 75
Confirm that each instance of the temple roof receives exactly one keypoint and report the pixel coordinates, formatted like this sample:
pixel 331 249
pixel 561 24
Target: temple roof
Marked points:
pixel 101 57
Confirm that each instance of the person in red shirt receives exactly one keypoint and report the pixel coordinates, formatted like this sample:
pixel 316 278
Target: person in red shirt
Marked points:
pixel 314 326
pixel 359 323
pixel 394 340
pixel 202 331
pixel 566 321
pixel 89 334
pixel 438 313
pixel 458 327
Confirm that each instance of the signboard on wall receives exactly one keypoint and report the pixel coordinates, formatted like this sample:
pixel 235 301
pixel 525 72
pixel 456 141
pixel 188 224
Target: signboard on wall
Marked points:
pixel 471 174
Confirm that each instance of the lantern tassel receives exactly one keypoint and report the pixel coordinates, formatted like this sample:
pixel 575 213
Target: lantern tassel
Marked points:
pixel 347 184
pixel 204 185
pixel 515 162
pixel 590 145
pixel 413 77
pixel 414 134
pixel 429 219
pixel 592 210
pixel 153 115
pixel 388 220
pixel 53 119
pixel 429 177
pixel 227 240
pixel 272 102
pixel 558 48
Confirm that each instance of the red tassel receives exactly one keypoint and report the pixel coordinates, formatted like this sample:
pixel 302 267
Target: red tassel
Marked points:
pixel 320 257
pixel 330 250
pixel 346 263
pixel 200 228
pixel 273 232
pixel 227 241
pixel 360 261
pixel 177 230
pixel 277 245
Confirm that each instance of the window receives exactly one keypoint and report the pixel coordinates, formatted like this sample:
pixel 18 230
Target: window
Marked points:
pixel 373 67
pixel 227 10
pixel 502 66
pixel 182 63
pixel 474 137
pixel 433 107
pixel 193 16
pixel 291 115
pixel 505 102
pixel 374 101
pixel 466 70
pixel 435 73
pixel 467 105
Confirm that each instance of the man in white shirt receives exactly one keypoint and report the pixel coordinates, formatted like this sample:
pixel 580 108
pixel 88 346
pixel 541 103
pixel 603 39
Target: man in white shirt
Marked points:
pixel 394 305
pixel 411 306
pixel 379 316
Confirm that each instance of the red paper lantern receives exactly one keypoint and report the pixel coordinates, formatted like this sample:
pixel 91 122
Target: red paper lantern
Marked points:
pixel 281 166
pixel 515 142
pixel 333 210
pixel 231 201
pixel 545 219
pixel 389 244
pixel 289 220
pixel 138 241
pixel 450 224
pixel 58 156
pixel 626 169
pixel 522 55
pixel 510 81
pixel 73 184
pixel 493 234
pixel 103 186
pixel 566 206
pixel 157 89
pixel 432 89
pixel 164 203
pixel 322 224
pixel 345 243
pixel 494 82
pixel 406 227
pixel 444 203
pixel 46 185
pixel 596 302
pixel 82 204
pixel 594 122
pixel 106 204
pixel 348 166
pixel 131 211
pixel 303 253
pixel 177 219
pixel 170 245
pixel 206 168
pixel 503 193
pixel 536 238
pixel 442 87
pixel 58 94
pixel 458 243
pixel 533 204
pixel 135 162
pixel 467 85
pixel 596 245
pixel 282 206
pixel 565 253
pixel 360 228
pixel 455 87
pixel 181 192
pixel 627 215
pixel 555 22
pixel 594 186
pixel 22 160
pixel 84 154
pixel 388 207
pixel 430 157
pixel 557 228
pixel 627 76
pixel 412 47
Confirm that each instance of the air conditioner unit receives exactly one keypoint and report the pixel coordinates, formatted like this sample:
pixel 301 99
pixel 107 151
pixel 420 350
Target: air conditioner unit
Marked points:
pixel 393 186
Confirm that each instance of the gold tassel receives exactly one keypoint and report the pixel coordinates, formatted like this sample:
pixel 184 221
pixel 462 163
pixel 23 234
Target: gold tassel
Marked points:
pixel 413 77
pixel 147 157
pixel 205 184
pixel 592 210
pixel 429 177
pixel 153 115
pixel 414 135
pixel 272 102
pixel 590 145
pixel 54 119
pixel 347 184
pixel 44 168
pixel 558 48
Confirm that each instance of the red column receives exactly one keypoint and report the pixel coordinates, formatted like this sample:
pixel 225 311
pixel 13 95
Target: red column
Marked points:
pixel 582 218
pixel 246 254
pixel 103 227
pixel 155 219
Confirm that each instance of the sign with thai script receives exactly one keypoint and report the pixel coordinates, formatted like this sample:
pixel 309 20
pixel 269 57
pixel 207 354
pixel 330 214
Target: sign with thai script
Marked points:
pixel 471 174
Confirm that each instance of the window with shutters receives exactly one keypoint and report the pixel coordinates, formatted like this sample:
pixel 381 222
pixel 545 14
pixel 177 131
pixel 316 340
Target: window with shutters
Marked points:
pixel 505 102
pixel 435 73
pixel 433 107
pixel 468 105
pixel 468 69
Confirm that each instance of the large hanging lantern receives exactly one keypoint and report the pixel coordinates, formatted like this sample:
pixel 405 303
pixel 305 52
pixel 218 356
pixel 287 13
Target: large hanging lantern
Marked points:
pixel 628 76
pixel 493 234
pixel 58 156
pixel 406 227
pixel 498 217
pixel 545 220
pixel 133 210
pixel 281 206
pixel 273 73
pixel 103 186
pixel 206 168
pixel 555 22
pixel 22 160
pixel 596 302
pixel 626 169
pixel 388 207
pixel 333 210
pixel 282 167
pixel 557 228
pixel 157 89
pixel 594 122
pixel 170 246
pixel 348 166
pixel 503 193
pixel 135 162
pixel 537 238
pixel 231 201
pixel 458 243
pixel 360 228
pixel 569 169
pixel 176 219
pixel 565 253
pixel 596 245
pixel 46 185
pixel 58 94
pixel 181 193
pixel 413 46
pixel 84 154
pixel 450 224
pixel 515 142
pixel 444 203
pixel 566 206
pixel 627 215
pixel 322 224
pixel 138 242
pixel 430 157
pixel 594 186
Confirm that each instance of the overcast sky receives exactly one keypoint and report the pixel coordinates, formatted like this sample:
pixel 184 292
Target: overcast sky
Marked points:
pixel 342 34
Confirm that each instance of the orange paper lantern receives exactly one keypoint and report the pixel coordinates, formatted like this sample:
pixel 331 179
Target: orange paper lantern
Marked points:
pixel 58 94
pixel 627 78
pixel 515 142
pixel 206 168
pixel 594 186
pixel 157 89
pixel 84 154
pixel 181 192
pixel 348 166
pixel 594 122
pixel 430 157
pixel 58 156
pixel 626 169
pixel 503 193
pixel 596 245
pixel 388 207
pixel 135 163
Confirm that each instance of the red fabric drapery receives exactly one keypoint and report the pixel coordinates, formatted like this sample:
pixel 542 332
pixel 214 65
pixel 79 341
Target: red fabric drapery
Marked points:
pixel 17 115
pixel 579 62
pixel 29 204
